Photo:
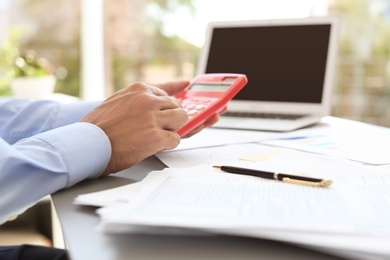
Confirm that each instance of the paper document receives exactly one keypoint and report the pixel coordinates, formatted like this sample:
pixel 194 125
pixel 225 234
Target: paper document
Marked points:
pixel 204 198
pixel 108 197
pixel 201 198
pixel 366 143
pixel 214 137
pixel 217 154
pixel 119 195
pixel 365 149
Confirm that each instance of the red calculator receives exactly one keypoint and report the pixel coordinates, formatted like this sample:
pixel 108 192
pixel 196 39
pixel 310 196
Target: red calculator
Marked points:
pixel 207 95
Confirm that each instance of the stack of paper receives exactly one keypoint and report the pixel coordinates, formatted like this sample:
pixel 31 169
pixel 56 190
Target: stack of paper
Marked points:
pixel 351 215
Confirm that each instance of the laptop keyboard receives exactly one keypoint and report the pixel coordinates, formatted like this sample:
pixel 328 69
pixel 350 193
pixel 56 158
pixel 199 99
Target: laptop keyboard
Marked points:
pixel 281 116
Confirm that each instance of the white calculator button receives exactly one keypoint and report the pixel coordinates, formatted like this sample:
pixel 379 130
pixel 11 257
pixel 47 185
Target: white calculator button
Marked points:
pixel 192 112
pixel 190 106
pixel 200 107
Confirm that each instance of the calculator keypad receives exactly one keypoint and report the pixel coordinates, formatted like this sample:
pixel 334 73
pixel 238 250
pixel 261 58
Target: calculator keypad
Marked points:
pixel 196 104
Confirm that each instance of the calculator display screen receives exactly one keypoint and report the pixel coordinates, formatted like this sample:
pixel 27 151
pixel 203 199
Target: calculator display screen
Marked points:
pixel 210 87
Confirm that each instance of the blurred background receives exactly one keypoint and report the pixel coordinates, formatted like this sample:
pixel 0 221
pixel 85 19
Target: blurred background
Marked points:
pixel 96 47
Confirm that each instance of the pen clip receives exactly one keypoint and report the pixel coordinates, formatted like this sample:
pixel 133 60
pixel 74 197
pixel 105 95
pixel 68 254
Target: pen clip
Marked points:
pixel 322 183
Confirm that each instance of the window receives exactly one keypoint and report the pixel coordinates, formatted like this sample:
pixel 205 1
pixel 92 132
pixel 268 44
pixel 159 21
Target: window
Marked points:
pixel 158 41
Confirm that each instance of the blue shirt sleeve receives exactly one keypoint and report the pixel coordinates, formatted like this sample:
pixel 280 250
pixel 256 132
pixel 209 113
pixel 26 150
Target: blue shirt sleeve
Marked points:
pixel 56 152
pixel 21 118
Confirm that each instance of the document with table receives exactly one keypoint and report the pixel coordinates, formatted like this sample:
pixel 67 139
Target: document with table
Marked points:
pixel 349 217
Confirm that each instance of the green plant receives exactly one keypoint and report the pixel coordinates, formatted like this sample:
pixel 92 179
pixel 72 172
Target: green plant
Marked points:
pixel 29 65
pixel 15 64
pixel 8 52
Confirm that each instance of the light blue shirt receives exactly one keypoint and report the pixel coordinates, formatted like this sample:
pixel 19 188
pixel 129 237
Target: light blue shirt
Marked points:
pixel 44 148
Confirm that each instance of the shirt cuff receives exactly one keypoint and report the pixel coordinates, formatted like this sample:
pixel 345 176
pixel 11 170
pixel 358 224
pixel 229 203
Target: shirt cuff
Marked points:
pixel 84 147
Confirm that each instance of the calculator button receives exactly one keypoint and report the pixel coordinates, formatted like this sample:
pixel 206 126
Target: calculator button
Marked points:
pixel 189 106
pixel 186 101
pixel 200 107
pixel 192 112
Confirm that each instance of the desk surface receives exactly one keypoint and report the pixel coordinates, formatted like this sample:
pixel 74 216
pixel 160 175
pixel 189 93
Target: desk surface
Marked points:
pixel 79 222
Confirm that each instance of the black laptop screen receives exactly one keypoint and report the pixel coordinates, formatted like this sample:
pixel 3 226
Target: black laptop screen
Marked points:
pixel 282 63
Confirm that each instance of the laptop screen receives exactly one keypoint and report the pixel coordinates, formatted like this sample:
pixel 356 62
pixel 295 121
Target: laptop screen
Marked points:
pixel 283 63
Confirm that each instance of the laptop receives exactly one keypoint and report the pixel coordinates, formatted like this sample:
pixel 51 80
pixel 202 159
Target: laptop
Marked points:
pixel 290 65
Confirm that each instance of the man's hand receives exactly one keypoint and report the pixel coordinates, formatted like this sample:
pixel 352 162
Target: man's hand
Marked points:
pixel 173 88
pixel 140 121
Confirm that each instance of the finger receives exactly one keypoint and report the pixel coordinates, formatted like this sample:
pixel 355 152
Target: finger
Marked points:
pixel 223 110
pixel 170 141
pixel 172 119
pixel 194 131
pixel 211 121
pixel 144 87
pixel 157 91
pixel 173 88
pixel 168 102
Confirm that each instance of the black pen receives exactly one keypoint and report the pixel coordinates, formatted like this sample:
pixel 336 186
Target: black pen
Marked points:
pixel 294 179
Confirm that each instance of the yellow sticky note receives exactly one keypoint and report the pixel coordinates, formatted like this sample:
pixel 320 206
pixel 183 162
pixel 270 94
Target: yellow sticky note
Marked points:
pixel 12 218
pixel 261 157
